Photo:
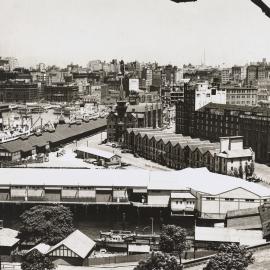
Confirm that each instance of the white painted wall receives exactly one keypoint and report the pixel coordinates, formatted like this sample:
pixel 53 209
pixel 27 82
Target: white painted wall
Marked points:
pixel 159 198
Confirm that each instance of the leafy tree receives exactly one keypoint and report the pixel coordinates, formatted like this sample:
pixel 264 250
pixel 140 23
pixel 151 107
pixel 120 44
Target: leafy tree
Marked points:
pixel 36 261
pixel 47 224
pixel 159 261
pixel 173 238
pixel 230 257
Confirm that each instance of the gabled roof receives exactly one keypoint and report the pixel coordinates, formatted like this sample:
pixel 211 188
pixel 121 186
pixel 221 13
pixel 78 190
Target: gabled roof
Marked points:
pixel 62 132
pixel 17 145
pixel 41 248
pixel 8 237
pixel 8 241
pixel 6 232
pixel 96 152
pixel 77 242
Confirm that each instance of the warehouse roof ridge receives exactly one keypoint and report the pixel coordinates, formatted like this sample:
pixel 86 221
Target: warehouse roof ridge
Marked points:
pixel 199 179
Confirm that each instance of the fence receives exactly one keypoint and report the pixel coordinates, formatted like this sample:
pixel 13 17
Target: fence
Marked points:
pixel 117 259
pixel 204 260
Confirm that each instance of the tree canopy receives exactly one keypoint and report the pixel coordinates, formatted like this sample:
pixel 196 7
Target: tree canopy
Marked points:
pixel 159 261
pixel 173 238
pixel 36 261
pixel 230 257
pixel 47 224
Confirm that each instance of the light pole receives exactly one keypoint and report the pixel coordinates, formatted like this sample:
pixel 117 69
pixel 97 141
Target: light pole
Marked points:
pixel 152 219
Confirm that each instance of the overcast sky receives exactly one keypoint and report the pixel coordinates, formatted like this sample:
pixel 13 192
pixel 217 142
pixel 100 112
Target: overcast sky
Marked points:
pixel 64 31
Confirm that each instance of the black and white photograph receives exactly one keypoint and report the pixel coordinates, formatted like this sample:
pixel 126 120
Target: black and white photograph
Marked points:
pixel 134 134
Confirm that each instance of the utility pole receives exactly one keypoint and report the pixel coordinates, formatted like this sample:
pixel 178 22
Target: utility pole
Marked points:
pixel 152 219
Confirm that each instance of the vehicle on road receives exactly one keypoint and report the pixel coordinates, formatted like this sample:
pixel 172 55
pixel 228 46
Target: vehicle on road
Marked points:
pixel 126 151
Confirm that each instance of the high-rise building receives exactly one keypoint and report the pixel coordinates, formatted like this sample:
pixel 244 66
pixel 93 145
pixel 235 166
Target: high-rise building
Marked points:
pixel 237 74
pixel 147 75
pixel 252 74
pixel 225 75
pixel 195 97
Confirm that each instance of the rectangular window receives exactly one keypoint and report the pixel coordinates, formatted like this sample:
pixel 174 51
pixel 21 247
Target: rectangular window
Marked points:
pixel 229 199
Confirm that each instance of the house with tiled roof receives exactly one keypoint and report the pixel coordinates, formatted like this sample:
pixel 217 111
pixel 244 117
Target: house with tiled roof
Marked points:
pixel 73 250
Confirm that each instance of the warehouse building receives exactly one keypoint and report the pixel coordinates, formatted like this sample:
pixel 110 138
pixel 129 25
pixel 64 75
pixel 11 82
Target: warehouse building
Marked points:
pixel 212 238
pixel 99 155
pixel 44 142
pixel 177 151
pixel 211 197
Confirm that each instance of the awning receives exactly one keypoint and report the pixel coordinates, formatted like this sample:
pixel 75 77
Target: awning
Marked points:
pixel 105 188
pixel 139 190
pixel 182 195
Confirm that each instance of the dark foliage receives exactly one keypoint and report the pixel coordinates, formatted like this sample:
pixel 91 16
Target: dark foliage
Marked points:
pixel 231 257
pixel 47 224
pixel 159 261
pixel 173 239
pixel 36 261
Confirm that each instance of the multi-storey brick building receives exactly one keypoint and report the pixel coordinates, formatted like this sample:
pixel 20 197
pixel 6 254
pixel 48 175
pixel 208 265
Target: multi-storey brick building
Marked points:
pixel 18 92
pixel 217 120
pixel 61 92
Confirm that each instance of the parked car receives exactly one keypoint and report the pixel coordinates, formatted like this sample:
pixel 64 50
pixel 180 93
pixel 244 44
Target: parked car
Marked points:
pixel 124 164
pixel 126 151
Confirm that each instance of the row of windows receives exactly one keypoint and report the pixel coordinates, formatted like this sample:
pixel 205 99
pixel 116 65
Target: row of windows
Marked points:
pixel 185 202
pixel 229 199
pixel 251 96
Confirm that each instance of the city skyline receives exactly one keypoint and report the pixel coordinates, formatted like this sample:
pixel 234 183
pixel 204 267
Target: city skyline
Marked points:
pixel 61 32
